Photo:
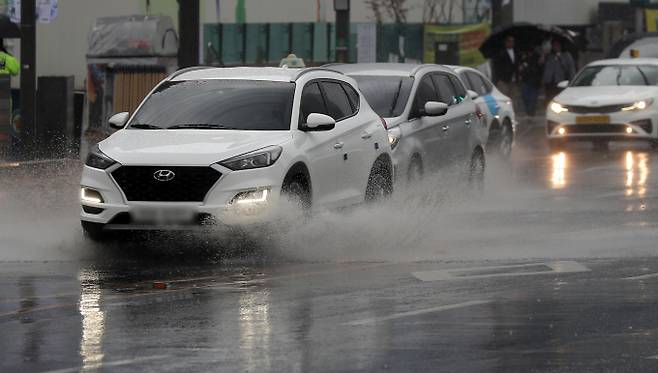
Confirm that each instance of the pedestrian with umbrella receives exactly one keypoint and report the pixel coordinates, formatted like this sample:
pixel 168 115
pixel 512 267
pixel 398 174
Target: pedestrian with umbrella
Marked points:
pixel 558 66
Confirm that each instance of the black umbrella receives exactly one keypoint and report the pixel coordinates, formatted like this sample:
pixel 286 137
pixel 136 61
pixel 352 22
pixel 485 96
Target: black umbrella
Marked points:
pixel 8 29
pixel 527 36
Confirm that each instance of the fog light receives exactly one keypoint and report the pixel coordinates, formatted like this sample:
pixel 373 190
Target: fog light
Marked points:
pixel 251 197
pixel 561 131
pixel 90 195
pixel 629 130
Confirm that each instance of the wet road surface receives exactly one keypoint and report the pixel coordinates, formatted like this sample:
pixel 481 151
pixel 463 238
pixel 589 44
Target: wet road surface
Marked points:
pixel 552 269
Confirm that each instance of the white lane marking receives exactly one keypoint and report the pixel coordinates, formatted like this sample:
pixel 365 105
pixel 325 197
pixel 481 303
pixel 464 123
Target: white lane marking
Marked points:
pixel 374 320
pixel 654 357
pixel 641 277
pixel 109 364
pixel 463 273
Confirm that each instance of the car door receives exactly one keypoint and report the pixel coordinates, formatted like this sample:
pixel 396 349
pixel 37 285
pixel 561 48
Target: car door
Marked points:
pixel 459 117
pixel 354 136
pixel 427 131
pixel 319 147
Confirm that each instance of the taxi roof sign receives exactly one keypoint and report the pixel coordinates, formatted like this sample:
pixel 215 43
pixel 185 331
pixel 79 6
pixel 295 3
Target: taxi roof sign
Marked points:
pixel 292 61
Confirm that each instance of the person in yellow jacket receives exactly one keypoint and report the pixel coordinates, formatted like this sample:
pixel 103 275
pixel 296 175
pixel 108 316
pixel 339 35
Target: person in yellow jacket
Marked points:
pixel 8 63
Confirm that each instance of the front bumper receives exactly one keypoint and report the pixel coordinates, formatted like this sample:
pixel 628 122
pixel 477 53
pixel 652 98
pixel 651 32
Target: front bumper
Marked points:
pixel 618 126
pixel 117 212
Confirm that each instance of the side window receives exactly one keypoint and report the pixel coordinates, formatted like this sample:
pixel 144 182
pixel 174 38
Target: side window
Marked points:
pixel 488 86
pixel 354 97
pixel 424 93
pixel 477 83
pixel 338 104
pixel 467 81
pixel 312 102
pixel 460 91
pixel 446 90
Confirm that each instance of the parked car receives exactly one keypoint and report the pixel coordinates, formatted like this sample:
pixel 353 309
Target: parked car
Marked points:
pixel 498 110
pixel 227 145
pixel 608 100
pixel 430 115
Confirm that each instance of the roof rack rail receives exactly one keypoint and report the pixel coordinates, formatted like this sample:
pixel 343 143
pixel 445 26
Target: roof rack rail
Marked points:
pixel 187 70
pixel 313 69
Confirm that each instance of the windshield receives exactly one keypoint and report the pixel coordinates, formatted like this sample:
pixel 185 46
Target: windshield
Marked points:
pixel 218 104
pixel 387 95
pixel 617 75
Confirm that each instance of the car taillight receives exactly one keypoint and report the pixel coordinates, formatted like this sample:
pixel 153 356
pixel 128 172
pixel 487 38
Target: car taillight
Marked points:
pixel 384 123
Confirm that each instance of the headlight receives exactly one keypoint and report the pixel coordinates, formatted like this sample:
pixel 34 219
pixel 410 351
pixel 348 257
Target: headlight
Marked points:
pixel 639 105
pixel 251 197
pixel 394 137
pixel 557 108
pixel 98 159
pixel 257 159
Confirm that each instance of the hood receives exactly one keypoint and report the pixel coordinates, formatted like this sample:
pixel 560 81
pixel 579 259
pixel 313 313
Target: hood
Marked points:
pixel 186 147
pixel 605 95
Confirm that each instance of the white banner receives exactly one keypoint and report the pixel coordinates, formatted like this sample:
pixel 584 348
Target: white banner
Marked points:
pixel 46 10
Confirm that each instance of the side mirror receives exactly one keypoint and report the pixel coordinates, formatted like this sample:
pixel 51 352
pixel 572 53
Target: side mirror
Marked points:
pixel 434 109
pixel 472 94
pixel 563 84
pixel 119 120
pixel 318 122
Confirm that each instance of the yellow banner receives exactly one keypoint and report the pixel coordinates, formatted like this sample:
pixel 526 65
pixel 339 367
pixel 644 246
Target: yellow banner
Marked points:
pixel 455 44
pixel 651 16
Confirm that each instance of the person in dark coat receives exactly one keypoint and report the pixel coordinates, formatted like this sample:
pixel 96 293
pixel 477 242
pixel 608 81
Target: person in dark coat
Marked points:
pixel 505 68
pixel 558 66
pixel 531 74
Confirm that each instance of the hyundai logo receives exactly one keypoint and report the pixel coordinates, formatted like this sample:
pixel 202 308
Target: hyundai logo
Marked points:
pixel 164 175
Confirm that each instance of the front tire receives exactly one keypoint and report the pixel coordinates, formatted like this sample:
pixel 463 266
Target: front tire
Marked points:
pixel 297 193
pixel 380 183
pixel 476 169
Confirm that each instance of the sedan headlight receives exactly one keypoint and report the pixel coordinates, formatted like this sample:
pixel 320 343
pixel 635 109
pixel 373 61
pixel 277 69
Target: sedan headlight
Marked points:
pixel 557 108
pixel 257 159
pixel 98 159
pixel 639 105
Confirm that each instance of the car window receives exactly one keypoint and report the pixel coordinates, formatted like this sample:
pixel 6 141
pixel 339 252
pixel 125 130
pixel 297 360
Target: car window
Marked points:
pixel 217 104
pixel 425 92
pixel 353 95
pixel 460 91
pixel 312 102
pixel 446 90
pixel 338 104
pixel 387 95
pixel 467 82
pixel 477 83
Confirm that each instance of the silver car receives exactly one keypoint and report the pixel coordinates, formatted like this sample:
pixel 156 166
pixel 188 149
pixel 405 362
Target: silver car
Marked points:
pixel 432 119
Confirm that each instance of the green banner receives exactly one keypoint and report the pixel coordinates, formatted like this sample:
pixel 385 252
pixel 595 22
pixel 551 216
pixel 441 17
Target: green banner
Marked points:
pixel 465 40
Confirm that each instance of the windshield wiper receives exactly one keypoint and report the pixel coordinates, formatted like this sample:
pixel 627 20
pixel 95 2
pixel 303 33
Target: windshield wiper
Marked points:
pixel 202 126
pixel 144 126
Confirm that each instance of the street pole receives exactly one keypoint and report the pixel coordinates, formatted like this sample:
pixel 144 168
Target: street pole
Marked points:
pixel 28 75
pixel 188 29
pixel 342 8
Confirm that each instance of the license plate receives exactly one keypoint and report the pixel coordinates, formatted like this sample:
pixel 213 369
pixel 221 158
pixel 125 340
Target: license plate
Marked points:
pixel 163 216
pixel 593 119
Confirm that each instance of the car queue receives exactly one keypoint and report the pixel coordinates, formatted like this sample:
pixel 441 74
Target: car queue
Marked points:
pixel 231 145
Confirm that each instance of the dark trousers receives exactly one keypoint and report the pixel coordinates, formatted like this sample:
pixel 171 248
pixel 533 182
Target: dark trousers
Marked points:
pixel 530 93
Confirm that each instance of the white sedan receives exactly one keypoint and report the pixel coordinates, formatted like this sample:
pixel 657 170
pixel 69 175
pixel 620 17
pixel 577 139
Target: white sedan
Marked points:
pixel 608 100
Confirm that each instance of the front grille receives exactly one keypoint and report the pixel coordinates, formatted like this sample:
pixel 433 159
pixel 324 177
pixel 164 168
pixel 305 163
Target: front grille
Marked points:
pixel 597 128
pixel 190 184
pixel 595 109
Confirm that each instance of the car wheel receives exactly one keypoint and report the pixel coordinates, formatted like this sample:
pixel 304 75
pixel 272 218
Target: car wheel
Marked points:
pixel 506 140
pixel 476 169
pixel 380 184
pixel 297 193
pixel 94 231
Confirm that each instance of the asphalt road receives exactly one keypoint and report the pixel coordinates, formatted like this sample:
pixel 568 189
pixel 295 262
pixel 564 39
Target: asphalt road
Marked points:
pixel 551 269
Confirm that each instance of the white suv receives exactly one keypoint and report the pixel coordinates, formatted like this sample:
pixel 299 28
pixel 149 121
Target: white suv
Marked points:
pixel 223 145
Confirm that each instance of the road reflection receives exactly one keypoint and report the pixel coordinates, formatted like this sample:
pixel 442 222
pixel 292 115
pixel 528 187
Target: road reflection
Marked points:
pixel 93 320
pixel 558 170
pixel 255 330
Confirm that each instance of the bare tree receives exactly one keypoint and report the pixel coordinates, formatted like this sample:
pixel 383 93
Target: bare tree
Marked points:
pixel 396 10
